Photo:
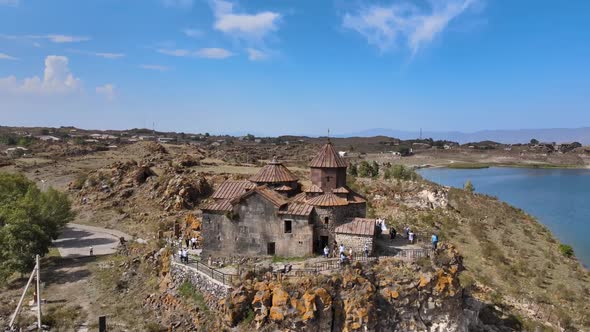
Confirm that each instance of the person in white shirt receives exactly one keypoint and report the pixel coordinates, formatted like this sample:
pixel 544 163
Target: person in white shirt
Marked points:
pixel 326 251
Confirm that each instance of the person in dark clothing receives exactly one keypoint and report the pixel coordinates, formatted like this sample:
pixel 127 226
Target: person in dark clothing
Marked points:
pixel 187 241
pixel 392 233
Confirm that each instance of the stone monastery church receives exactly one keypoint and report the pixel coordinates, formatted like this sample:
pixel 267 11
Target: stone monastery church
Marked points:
pixel 270 213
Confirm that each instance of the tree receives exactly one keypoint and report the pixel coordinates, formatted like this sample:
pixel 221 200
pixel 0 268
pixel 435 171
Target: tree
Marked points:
pixel 374 169
pixel 364 169
pixel 400 172
pixel 534 142
pixel 29 221
pixel 469 186
pixel 353 170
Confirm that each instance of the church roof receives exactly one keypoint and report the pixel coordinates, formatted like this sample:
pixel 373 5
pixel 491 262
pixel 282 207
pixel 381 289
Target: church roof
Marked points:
pixel 272 196
pixel 327 200
pixel 340 190
pixel 314 189
pixel 358 226
pixel 220 205
pixel 284 188
pixel 328 158
pixel 297 209
pixel 273 172
pixel 230 189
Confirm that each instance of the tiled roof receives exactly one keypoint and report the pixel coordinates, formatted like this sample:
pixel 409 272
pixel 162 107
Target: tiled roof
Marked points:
pixel 358 226
pixel 354 197
pixel 314 189
pixel 231 189
pixel 301 198
pixel 340 190
pixel 284 188
pixel 220 205
pixel 327 158
pixel 297 209
pixel 273 172
pixel 327 200
pixel 272 196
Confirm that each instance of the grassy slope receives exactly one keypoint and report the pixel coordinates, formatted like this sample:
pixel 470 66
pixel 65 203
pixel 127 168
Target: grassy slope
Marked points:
pixel 511 259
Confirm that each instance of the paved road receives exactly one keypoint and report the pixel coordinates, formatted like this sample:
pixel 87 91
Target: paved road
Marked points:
pixel 76 240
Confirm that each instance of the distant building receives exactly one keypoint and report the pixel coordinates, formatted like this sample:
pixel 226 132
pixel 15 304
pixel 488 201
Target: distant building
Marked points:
pixel 147 138
pixel 49 138
pixel 166 139
pixel 342 153
pixel 270 214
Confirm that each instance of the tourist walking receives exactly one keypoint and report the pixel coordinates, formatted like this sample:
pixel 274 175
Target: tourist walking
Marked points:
pixel 335 249
pixel 341 249
pixel 194 242
pixel 185 256
pixel 434 241
pixel 366 250
pixel 411 236
pixel 91 251
pixel 326 251
pixel 350 254
pixel 407 232
pixel 187 242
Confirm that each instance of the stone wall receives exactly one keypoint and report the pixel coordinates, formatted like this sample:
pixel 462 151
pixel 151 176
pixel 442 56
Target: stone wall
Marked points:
pixel 213 290
pixel 337 216
pixel 356 242
pixel 256 225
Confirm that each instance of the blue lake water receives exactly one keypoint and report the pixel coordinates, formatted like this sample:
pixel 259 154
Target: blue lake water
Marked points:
pixel 559 198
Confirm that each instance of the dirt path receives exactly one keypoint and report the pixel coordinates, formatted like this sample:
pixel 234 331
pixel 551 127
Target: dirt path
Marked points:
pixel 76 240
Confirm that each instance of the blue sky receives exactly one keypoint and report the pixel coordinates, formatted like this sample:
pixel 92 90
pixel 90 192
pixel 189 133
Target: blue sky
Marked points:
pixel 295 66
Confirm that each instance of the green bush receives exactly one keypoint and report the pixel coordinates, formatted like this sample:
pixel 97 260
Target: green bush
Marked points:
pixel 469 186
pixel 566 250
pixel 400 172
pixel 31 219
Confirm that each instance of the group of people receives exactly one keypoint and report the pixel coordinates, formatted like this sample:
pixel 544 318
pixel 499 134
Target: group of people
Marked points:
pixel 183 255
pixel 341 249
pixel 411 236
pixel 192 242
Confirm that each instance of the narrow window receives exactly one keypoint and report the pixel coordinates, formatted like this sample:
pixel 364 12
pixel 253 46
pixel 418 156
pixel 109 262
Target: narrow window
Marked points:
pixel 326 220
pixel 288 226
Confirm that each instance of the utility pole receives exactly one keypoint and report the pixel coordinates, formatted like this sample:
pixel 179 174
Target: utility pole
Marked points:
pixel 34 274
pixel 38 293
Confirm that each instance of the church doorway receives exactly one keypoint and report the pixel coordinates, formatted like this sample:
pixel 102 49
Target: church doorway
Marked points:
pixel 324 241
pixel 270 248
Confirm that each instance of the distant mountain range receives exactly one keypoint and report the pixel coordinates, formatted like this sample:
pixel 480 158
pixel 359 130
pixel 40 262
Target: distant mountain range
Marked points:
pixel 559 135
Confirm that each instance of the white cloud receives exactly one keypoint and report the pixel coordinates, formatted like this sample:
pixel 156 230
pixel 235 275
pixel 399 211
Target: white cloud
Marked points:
pixel 251 27
pixel 106 55
pixel 177 3
pixel 155 67
pixel 210 53
pixel 194 33
pixel 57 79
pixel 256 55
pixel 387 27
pixel 12 3
pixel 214 53
pixel 107 90
pixel 175 52
pixel 65 39
pixel 4 56
pixel 54 38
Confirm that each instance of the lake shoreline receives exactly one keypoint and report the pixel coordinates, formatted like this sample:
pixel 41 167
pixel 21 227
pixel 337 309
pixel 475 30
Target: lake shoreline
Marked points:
pixel 555 197
pixel 493 165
